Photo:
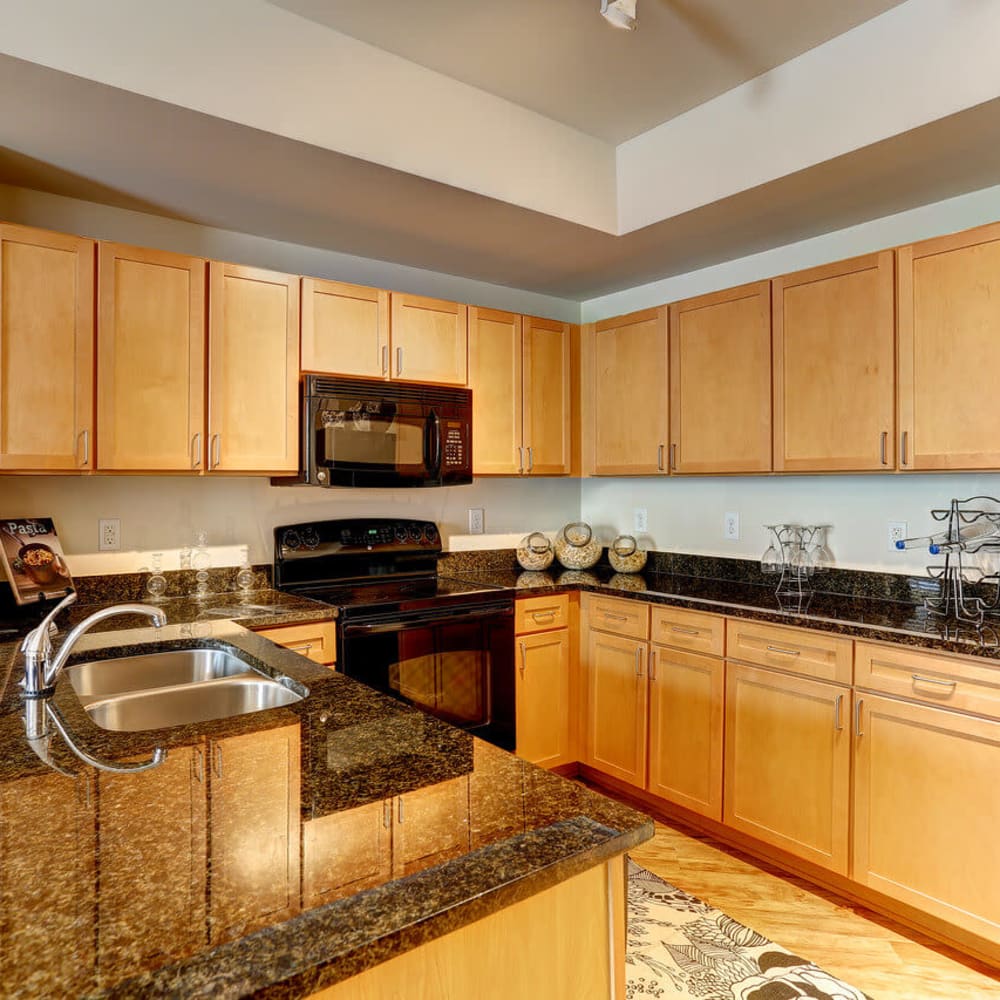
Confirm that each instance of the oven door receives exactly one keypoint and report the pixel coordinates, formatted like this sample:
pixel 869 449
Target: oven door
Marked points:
pixel 457 664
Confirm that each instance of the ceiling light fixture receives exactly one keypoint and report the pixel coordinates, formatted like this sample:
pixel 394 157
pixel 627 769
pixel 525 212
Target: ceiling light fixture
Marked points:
pixel 620 13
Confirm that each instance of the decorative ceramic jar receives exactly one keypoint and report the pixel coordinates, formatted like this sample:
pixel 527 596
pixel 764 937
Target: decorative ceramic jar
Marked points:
pixel 576 547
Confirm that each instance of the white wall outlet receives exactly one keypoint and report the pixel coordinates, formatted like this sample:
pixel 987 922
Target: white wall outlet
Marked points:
pixel 640 519
pixel 731 527
pixel 897 532
pixel 109 534
pixel 477 520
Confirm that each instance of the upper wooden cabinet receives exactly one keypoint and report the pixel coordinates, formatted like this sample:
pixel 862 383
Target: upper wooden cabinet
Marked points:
pixel 345 329
pixel 626 430
pixel 519 373
pixel 253 371
pixel 46 350
pixel 150 360
pixel 429 340
pixel 833 367
pixel 949 346
pixel 720 381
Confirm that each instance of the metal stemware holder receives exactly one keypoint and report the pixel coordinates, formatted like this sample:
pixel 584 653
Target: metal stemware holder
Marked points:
pixel 795 554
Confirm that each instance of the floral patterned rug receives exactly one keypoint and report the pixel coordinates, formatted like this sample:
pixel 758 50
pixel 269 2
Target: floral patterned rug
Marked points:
pixel 679 946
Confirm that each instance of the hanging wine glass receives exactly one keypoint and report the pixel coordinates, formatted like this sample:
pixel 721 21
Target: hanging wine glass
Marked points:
pixel 156 585
pixel 770 562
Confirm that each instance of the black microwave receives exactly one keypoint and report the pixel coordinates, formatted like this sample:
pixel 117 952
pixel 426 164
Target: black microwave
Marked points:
pixel 357 432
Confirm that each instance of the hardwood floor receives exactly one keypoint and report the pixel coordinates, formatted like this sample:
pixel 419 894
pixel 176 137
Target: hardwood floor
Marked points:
pixel 872 953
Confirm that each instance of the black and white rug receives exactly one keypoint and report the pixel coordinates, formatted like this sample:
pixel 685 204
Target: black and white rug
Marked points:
pixel 679 946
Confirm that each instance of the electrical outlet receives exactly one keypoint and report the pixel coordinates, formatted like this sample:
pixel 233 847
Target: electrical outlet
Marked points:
pixel 731 527
pixel 477 520
pixel 109 534
pixel 897 532
pixel 640 519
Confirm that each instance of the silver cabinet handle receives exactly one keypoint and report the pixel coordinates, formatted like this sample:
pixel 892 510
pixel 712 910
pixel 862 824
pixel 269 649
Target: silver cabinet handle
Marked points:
pixel 215 453
pixel 520 459
pixel 902 448
pixel 673 455
pixel 399 809
pixel 652 664
pixel 399 360
pixel 786 652
pixel 543 615
pixel 615 618
pixel 918 679
pixel 883 447
pixel 218 760
pixel 196 450
pixel 199 766
pixel 638 661
pixel 685 631
pixel 531 458
pixel 86 447
pixel 857 717
pixel 387 813
pixel 524 658
pixel 305 649
pixel 659 458
pixel 837 724
pixel 385 359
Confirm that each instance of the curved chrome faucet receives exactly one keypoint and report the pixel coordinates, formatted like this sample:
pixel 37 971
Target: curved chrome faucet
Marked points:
pixel 41 668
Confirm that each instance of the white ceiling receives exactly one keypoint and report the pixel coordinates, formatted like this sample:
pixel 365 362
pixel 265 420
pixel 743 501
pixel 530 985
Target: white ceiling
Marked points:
pixel 561 59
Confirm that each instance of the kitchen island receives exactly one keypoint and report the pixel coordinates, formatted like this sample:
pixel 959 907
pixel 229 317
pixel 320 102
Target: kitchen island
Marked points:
pixel 341 845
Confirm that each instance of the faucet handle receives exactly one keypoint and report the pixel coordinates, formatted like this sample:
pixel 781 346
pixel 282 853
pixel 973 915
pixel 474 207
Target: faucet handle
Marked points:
pixel 38 641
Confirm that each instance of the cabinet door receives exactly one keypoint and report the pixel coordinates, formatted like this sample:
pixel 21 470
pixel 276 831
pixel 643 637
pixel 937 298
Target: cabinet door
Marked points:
pixel 496 795
pixel 949 348
pixel 253 376
pixel 546 347
pixel 47 882
pixel 720 381
pixel 346 852
pixel 495 381
pixel 151 822
pixel 926 812
pixel 834 350
pixel 787 770
pixel 432 826
pixel 46 350
pixel 628 422
pixel 543 688
pixel 686 693
pixel 345 329
pixel 150 360
pixel 429 339
pixel 615 740
pixel 255 826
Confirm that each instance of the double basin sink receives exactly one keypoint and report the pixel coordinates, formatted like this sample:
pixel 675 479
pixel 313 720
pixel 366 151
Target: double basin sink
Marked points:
pixel 177 687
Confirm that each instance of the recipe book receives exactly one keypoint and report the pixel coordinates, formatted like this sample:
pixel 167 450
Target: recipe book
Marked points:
pixel 33 559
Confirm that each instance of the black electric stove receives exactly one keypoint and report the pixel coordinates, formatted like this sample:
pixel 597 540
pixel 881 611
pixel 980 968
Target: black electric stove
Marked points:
pixel 441 643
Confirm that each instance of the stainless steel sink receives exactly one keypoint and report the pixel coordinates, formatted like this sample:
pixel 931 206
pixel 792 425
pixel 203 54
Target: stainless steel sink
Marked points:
pixel 102 678
pixel 184 704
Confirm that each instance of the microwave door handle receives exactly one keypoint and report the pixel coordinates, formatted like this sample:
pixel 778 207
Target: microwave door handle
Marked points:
pixel 432 445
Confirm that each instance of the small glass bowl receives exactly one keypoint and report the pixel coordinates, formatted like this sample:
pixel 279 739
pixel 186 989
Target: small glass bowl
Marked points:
pixel 535 552
pixel 576 547
pixel 625 555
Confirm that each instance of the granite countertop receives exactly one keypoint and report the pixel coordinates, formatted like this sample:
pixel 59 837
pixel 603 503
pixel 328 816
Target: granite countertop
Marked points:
pixel 200 877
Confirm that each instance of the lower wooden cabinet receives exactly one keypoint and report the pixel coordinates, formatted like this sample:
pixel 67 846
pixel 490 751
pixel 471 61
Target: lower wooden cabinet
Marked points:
pixel 316 641
pixel 542 685
pixel 926 810
pixel 497 780
pixel 615 715
pixel 431 826
pixel 686 693
pixel 788 763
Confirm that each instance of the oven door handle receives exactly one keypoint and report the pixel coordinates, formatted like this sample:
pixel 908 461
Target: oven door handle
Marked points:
pixel 424 621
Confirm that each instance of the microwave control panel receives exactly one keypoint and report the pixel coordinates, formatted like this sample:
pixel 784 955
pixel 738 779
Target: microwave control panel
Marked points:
pixel 456 451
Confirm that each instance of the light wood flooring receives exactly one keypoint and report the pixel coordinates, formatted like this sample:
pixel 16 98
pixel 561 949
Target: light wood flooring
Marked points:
pixel 872 953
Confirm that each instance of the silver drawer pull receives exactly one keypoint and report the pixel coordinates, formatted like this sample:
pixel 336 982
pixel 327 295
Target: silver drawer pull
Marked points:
pixel 305 649
pixel 918 679
pixel 685 631
pixel 615 618
pixel 543 615
pixel 786 652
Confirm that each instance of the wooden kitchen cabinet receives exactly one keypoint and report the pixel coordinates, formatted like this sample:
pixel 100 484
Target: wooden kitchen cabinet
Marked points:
pixel 346 852
pixel 545 718
pixel 429 340
pixel 46 350
pixel 686 692
pixel 626 362
pixel 496 795
pixel 431 826
pixel 949 348
pixel 788 763
pixel 253 370
pixel 256 831
pixel 153 822
pixel 519 373
pixel 317 640
pixel 720 381
pixel 47 831
pixel 345 329
pixel 834 380
pixel 150 360
pixel 926 812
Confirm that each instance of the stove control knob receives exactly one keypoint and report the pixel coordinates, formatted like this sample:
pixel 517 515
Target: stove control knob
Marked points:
pixel 291 540
pixel 310 537
pixel 413 534
pixel 400 533
pixel 430 534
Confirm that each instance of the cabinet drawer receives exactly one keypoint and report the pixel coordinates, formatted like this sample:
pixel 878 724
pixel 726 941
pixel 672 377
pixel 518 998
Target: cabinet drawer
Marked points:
pixel 610 614
pixel 317 640
pixel 966 683
pixel 692 630
pixel 538 614
pixel 797 650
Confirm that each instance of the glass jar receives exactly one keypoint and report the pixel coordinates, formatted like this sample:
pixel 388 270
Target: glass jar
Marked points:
pixel 625 555
pixel 534 552
pixel 576 547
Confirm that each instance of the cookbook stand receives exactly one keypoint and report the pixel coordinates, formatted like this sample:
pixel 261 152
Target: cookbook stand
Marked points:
pixel 32 559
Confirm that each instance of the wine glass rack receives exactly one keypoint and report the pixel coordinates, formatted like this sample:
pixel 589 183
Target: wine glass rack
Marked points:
pixel 795 554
